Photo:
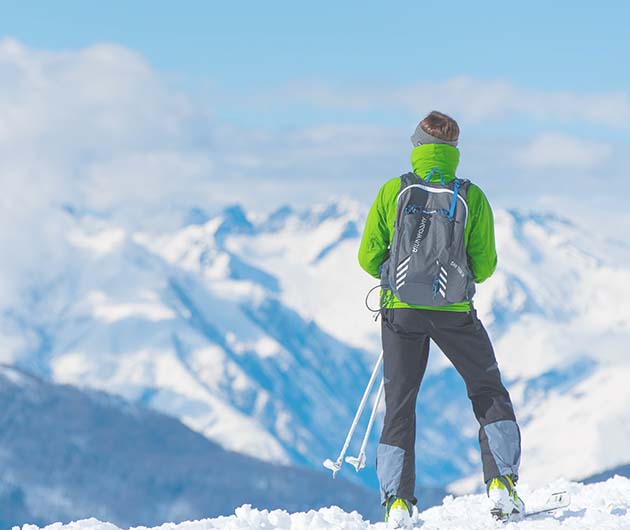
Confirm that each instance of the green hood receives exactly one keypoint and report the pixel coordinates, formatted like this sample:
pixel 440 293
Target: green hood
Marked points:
pixel 426 157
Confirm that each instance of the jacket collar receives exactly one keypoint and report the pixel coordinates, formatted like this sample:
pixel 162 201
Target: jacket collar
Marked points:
pixel 426 157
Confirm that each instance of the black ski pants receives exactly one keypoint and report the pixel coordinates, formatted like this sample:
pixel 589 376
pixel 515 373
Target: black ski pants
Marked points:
pixel 464 340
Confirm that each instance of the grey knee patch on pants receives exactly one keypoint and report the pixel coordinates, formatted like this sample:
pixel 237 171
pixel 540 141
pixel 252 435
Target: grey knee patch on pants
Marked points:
pixel 389 466
pixel 502 440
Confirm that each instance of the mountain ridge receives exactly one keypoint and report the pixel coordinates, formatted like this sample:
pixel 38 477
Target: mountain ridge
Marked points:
pixel 68 454
pixel 252 330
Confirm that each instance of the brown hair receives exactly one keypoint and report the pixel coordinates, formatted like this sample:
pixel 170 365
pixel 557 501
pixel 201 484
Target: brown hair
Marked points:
pixel 441 126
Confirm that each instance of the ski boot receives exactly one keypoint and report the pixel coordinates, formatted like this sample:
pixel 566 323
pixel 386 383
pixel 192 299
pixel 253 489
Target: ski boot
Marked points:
pixel 507 503
pixel 398 512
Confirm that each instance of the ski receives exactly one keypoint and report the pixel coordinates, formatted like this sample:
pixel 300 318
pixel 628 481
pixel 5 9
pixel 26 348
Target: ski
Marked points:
pixel 556 501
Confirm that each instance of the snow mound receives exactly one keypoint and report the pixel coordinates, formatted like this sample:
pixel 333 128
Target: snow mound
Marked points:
pixel 601 505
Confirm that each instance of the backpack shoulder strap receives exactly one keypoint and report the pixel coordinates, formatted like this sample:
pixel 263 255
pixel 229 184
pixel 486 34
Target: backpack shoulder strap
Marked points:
pixel 464 183
pixel 408 179
pixel 460 190
pixel 463 186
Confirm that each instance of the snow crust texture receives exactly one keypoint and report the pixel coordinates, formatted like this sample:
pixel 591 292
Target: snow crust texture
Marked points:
pixel 604 505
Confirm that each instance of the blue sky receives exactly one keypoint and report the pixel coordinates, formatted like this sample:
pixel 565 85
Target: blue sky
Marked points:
pixel 329 92
pixel 561 44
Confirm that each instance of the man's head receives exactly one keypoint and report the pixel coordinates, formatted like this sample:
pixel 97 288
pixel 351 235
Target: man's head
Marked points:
pixel 436 128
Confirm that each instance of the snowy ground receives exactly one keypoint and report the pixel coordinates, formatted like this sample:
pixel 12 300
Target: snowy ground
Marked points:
pixel 605 505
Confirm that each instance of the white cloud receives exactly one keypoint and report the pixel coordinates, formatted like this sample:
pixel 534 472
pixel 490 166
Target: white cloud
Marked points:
pixel 98 128
pixel 470 99
pixel 555 150
pixel 63 115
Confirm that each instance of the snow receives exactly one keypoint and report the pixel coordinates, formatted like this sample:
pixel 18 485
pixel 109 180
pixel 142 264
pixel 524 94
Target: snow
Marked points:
pixel 252 330
pixel 159 471
pixel 603 437
pixel 604 505
pixel 316 264
pixel 149 308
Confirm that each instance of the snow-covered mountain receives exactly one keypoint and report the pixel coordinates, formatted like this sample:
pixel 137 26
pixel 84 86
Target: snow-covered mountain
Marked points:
pixel 67 454
pixel 557 309
pixel 180 324
pixel 602 505
pixel 252 329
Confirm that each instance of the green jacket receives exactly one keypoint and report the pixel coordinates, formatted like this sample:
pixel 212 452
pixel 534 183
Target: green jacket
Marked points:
pixel 478 233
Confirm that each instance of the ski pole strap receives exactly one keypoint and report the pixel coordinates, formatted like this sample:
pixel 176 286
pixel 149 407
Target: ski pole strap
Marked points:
pixel 451 213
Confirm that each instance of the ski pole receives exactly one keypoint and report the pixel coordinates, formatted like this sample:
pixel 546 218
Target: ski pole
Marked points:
pixel 336 466
pixel 359 461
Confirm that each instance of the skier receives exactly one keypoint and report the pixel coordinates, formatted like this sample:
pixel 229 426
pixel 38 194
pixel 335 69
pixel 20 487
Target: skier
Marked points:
pixel 430 237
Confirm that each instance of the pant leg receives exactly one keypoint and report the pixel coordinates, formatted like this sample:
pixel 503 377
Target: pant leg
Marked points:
pixel 405 354
pixel 464 340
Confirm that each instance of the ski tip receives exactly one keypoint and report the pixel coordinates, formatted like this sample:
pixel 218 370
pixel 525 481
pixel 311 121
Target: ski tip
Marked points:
pixel 561 497
pixel 556 501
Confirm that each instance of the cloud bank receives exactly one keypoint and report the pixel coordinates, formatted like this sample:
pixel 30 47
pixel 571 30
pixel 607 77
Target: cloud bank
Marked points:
pixel 555 150
pixel 99 130
pixel 96 127
pixel 95 130
pixel 471 99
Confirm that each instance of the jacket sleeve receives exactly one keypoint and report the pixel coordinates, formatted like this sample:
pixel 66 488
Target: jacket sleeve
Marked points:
pixel 481 248
pixel 374 247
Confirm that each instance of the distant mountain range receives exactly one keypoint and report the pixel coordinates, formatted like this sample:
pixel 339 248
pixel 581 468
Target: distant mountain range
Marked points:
pixel 67 454
pixel 622 471
pixel 252 330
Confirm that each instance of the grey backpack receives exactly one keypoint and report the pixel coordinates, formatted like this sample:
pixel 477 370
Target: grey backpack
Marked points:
pixel 428 264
